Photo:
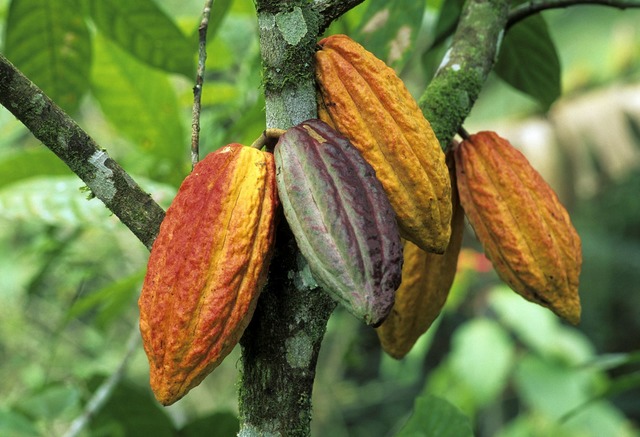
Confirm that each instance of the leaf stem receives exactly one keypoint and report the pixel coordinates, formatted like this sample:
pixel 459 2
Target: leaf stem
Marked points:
pixel 197 89
pixel 103 393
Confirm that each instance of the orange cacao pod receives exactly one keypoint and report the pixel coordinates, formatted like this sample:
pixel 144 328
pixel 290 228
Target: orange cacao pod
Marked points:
pixel 525 230
pixel 426 281
pixel 207 267
pixel 367 102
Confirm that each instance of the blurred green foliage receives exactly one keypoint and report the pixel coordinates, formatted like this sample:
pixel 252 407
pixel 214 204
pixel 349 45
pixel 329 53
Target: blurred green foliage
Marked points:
pixel 71 272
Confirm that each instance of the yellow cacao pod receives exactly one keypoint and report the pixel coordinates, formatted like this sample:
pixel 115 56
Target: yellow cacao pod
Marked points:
pixel 364 99
pixel 207 267
pixel 426 281
pixel 525 230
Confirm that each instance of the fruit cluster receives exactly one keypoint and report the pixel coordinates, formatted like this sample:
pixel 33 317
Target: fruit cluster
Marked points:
pixel 377 211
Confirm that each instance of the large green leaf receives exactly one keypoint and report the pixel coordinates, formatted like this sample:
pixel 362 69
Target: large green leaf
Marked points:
pixel 52 200
pixel 29 162
pixel 50 43
pixel 58 201
pixel 139 101
pixel 110 301
pixel 50 402
pixel 145 31
pixel 482 357
pixel 435 417
pixel 528 61
pixel 14 424
pixel 389 29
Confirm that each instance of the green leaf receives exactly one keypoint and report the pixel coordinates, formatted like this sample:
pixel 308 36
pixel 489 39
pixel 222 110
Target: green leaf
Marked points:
pixel 435 417
pixel 53 200
pixel 220 424
pixel 528 61
pixel 59 201
pixel 389 29
pixel 14 424
pixel 131 411
pixel 26 163
pixel 110 301
pixel 145 31
pixel 140 102
pixel 447 19
pixel 48 40
pixel 50 402
pixel 482 358
pixel 552 388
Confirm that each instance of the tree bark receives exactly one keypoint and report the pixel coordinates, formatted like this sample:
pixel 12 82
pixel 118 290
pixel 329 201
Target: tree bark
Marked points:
pixel 281 345
pixel 450 96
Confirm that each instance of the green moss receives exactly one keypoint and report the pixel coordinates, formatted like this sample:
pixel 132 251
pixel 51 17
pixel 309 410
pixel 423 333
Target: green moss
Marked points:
pixel 448 101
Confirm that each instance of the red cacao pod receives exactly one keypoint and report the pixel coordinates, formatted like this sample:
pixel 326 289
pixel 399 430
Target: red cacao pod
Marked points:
pixel 207 267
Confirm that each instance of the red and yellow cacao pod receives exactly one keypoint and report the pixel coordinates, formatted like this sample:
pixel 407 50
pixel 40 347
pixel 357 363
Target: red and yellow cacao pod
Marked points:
pixel 526 232
pixel 341 218
pixel 207 267
pixel 426 281
pixel 367 102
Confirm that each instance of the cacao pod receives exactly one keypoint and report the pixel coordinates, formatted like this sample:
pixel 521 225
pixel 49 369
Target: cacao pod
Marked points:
pixel 207 267
pixel 341 218
pixel 525 230
pixel 365 100
pixel 426 281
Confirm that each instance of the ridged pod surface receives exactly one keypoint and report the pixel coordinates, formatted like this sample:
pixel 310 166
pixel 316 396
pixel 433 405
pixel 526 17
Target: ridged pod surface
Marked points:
pixel 341 218
pixel 207 267
pixel 426 281
pixel 525 230
pixel 367 102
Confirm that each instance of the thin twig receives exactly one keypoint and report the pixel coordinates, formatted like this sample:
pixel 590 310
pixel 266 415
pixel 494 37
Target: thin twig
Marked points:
pixel 527 9
pixel 103 393
pixel 269 138
pixel 197 89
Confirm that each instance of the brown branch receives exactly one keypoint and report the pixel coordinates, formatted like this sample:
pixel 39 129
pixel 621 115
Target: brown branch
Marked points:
pixel 448 99
pixel 197 89
pixel 106 179
pixel 527 9
pixel 331 10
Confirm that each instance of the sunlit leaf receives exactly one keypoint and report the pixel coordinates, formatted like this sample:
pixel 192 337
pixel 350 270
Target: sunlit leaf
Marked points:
pixel 482 356
pixel 435 417
pixel 53 200
pixel 48 40
pixel 528 61
pixel 389 29
pixel 145 31
pixel 140 102
pixel 62 201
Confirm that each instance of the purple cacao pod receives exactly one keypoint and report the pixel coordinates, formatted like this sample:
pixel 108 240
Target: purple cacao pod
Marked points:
pixel 342 220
